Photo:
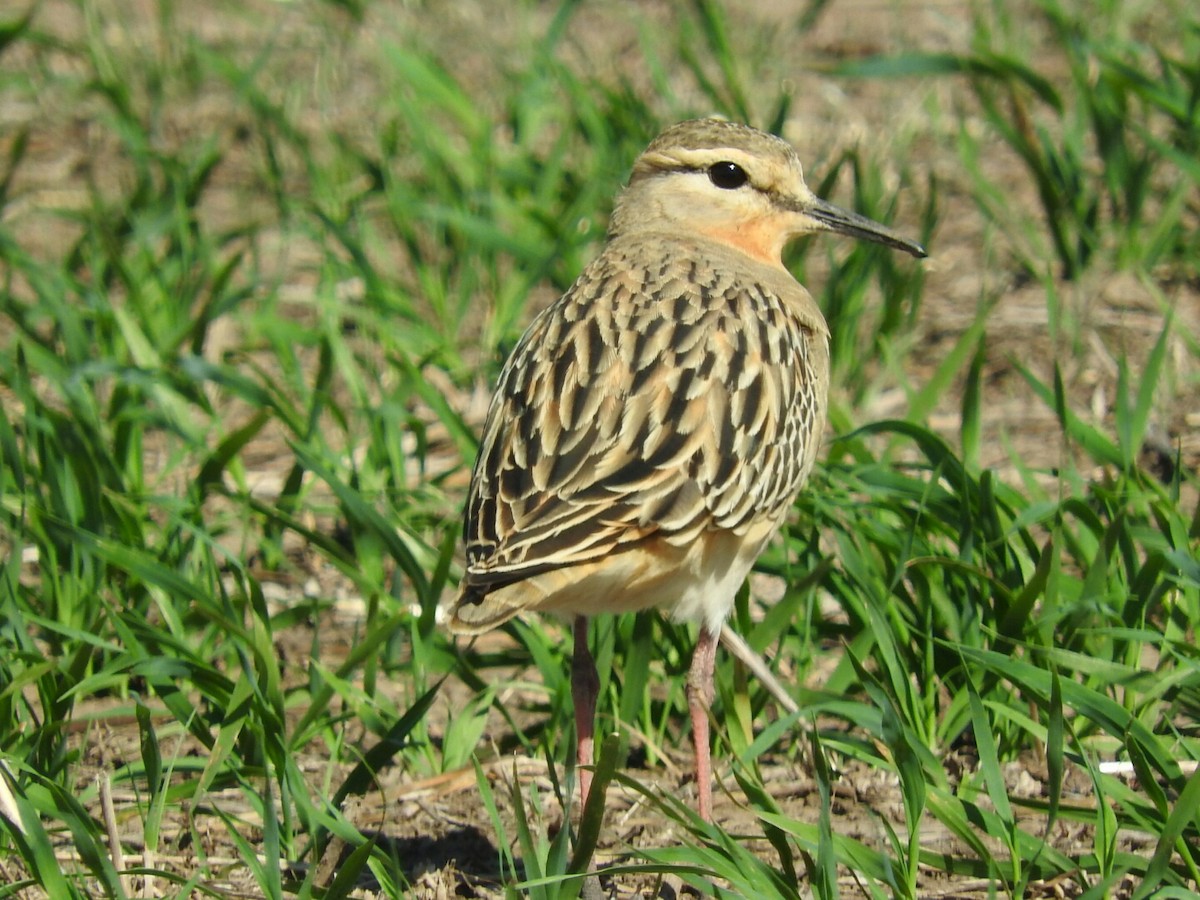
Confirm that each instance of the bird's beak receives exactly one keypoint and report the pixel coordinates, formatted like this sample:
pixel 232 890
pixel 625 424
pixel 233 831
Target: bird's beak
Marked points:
pixel 834 218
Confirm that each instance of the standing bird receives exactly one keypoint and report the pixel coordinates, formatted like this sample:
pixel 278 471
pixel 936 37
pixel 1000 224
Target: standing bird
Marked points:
pixel 653 426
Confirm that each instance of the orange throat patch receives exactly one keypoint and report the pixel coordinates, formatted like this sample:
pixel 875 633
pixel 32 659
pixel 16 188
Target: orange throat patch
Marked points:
pixel 761 239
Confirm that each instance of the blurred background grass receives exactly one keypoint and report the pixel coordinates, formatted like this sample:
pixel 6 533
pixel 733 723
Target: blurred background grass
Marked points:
pixel 261 263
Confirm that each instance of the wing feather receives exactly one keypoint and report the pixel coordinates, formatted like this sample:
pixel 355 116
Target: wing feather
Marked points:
pixel 653 399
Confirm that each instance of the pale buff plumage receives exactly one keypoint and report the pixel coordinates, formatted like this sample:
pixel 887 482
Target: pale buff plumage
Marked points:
pixel 653 426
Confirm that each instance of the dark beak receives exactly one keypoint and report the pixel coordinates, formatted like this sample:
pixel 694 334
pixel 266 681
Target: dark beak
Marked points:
pixel 845 222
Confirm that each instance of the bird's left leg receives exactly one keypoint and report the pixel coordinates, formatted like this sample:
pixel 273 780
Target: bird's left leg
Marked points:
pixel 585 685
pixel 700 697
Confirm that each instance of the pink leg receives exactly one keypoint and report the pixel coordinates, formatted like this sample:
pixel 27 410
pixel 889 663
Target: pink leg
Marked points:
pixel 585 685
pixel 700 697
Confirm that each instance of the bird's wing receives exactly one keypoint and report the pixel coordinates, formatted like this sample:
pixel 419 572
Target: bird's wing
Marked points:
pixel 651 399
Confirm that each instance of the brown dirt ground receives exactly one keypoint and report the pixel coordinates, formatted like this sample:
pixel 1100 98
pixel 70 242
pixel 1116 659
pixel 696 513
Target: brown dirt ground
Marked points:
pixel 438 826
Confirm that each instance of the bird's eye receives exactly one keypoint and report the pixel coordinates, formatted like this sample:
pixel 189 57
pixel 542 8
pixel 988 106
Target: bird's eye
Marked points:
pixel 727 176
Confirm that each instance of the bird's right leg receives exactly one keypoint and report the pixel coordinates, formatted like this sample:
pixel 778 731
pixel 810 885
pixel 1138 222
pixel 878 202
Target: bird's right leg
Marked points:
pixel 585 685
pixel 699 693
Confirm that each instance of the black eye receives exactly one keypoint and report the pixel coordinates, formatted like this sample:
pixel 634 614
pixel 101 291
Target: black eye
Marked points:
pixel 727 176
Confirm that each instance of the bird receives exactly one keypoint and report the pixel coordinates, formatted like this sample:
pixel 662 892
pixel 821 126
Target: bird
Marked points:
pixel 651 429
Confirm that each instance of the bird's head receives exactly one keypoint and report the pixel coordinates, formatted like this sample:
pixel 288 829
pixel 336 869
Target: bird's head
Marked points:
pixel 737 185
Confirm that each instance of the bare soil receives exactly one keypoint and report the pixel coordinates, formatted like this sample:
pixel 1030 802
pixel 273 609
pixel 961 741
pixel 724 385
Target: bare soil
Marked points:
pixel 437 827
